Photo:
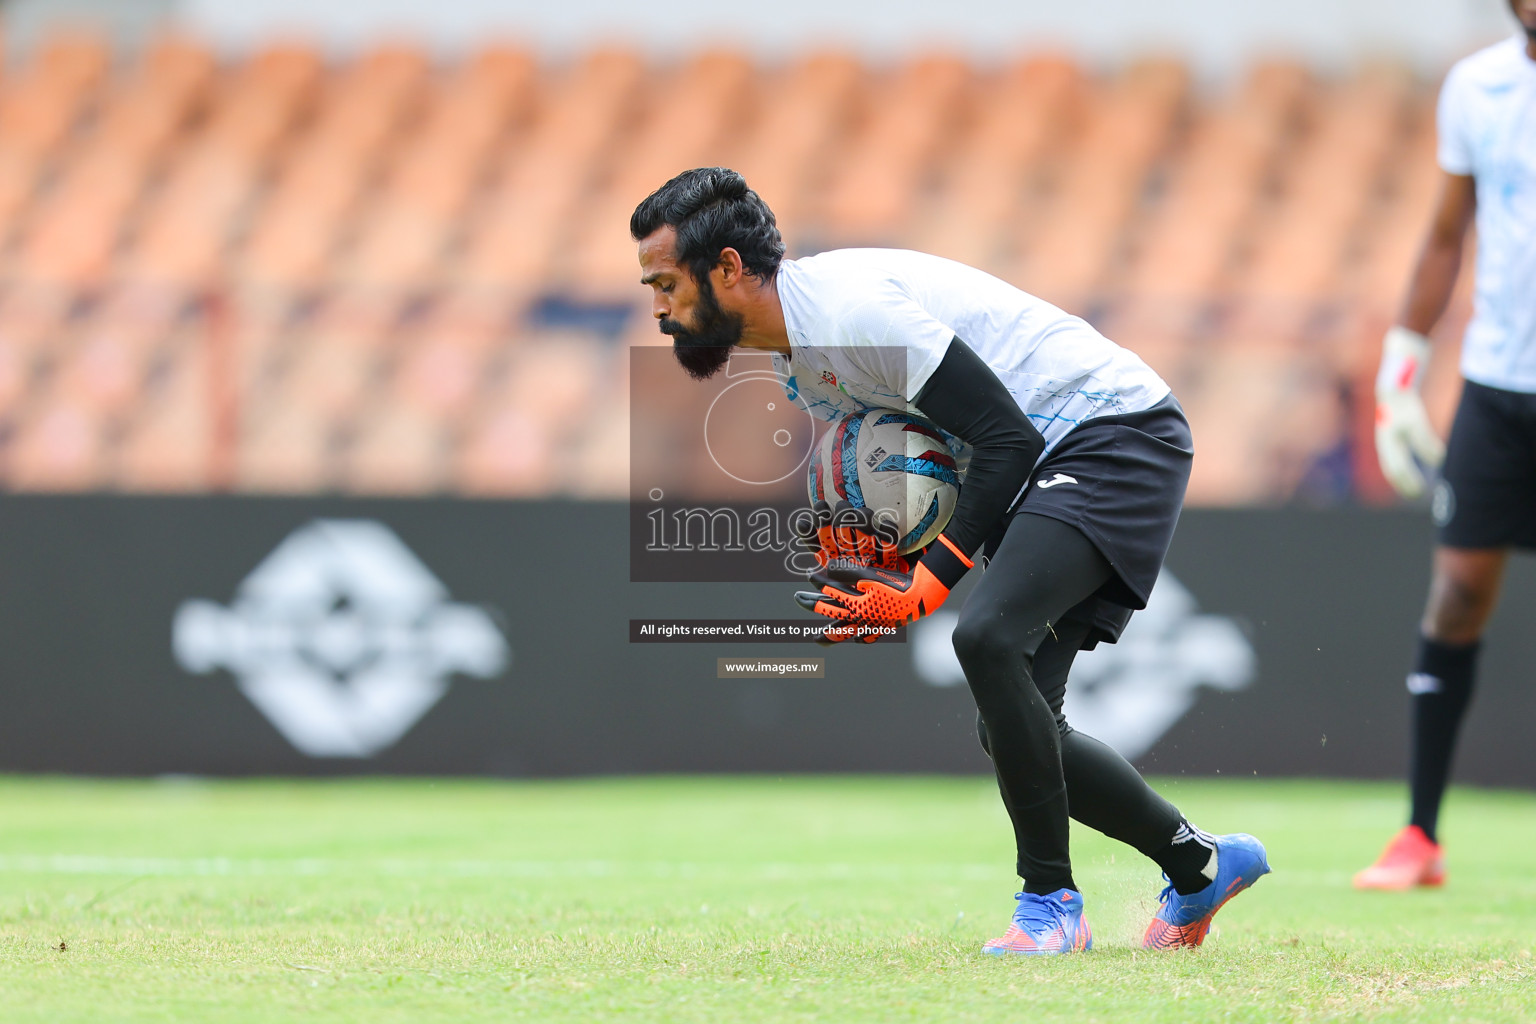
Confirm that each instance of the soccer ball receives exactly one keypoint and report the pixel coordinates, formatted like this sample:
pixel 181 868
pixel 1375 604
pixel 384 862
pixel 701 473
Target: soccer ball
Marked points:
pixel 892 463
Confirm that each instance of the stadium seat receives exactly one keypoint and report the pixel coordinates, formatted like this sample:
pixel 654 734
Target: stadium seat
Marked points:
pixel 1017 119
pixel 1075 235
pixel 397 450
pixel 58 446
pixel 804 109
pixel 170 445
pixel 875 184
pixel 286 448
pixel 359 237
pixel 507 452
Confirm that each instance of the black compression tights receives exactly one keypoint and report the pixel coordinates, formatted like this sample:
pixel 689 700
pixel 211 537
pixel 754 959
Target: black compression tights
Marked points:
pixel 1018 633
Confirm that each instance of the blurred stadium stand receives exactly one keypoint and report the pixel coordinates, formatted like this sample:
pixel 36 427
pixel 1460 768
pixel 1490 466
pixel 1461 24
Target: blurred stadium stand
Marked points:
pixel 397 273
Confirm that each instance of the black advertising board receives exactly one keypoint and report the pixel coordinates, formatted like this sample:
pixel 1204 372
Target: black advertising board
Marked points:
pixel 310 636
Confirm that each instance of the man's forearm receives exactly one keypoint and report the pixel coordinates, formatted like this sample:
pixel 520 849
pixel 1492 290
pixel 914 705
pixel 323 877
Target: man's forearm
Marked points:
pixel 1434 278
pixel 966 398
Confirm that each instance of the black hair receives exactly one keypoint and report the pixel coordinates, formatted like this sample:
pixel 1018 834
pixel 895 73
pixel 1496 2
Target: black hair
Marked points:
pixel 711 208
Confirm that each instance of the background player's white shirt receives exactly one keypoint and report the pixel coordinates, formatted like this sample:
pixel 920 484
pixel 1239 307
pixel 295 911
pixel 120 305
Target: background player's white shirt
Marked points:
pixel 1487 128
pixel 867 328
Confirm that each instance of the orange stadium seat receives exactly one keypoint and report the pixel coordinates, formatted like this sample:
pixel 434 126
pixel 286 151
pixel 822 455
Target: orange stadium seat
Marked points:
pixel 170 444
pixel 506 452
pixel 290 247
pixel 1071 241
pixel 167 450
pixel 102 372
pixel 358 240
pixel 1303 242
pixel 1018 119
pixel 1216 181
pixel 803 112
pixel 286 448
pixel 513 444
pixel 438 376
pixel 17 368
pixel 692 118
pixel 478 321
pixel 552 377
pixel 397 450
pixel 524 219
pixel 874 189
pixel 39 107
pixel 597 465
pixel 58 446
pixel 18 177
pixel 336 364
pixel 1391 244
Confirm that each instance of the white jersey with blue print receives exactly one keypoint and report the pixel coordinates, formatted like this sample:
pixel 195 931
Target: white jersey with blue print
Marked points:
pixel 867 328
pixel 1487 128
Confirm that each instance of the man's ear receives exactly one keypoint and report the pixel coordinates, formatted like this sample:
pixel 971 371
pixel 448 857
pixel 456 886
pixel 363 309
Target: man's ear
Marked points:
pixel 730 267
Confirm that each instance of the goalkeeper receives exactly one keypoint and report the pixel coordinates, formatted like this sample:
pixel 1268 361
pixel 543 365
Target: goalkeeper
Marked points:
pixel 1079 460
pixel 1484 502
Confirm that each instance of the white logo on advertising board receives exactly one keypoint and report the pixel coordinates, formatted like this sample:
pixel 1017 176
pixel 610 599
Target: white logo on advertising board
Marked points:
pixel 341 637
pixel 1128 693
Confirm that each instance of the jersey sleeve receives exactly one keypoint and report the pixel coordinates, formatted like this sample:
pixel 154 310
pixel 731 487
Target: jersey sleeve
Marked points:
pixel 896 341
pixel 1453 152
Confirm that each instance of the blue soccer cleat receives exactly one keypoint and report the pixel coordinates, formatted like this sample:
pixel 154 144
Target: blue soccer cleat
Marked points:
pixel 1045 926
pixel 1183 921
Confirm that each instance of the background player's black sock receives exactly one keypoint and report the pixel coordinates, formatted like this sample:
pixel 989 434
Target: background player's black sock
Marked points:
pixel 1441 685
pixel 1189 860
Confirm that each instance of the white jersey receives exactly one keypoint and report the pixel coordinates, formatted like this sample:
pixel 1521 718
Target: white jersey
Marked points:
pixel 1487 128
pixel 867 328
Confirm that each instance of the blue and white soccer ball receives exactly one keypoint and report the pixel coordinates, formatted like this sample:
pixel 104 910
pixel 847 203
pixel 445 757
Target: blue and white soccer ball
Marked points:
pixel 892 463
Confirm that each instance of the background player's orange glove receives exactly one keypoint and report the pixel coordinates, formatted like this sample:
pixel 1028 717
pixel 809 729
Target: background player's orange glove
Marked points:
pixel 849 537
pixel 863 598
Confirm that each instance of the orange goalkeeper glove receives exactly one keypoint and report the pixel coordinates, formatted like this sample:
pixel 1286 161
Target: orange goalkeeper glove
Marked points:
pixel 864 601
pixel 848 537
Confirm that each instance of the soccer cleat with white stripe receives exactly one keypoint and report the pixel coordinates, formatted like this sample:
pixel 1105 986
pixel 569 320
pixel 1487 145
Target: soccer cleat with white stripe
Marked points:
pixel 1183 921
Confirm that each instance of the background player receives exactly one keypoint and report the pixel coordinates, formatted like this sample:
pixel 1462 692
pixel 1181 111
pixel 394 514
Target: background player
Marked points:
pixel 1049 407
pixel 1485 501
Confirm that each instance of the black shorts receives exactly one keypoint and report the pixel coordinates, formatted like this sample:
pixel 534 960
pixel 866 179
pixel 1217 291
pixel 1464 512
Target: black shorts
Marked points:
pixel 1121 481
pixel 1486 494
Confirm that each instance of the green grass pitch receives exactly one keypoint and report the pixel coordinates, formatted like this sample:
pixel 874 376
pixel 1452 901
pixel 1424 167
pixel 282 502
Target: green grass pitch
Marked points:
pixel 717 899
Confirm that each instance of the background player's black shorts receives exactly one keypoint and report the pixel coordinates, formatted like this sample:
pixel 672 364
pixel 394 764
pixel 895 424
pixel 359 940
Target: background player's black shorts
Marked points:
pixel 1486 495
pixel 1120 480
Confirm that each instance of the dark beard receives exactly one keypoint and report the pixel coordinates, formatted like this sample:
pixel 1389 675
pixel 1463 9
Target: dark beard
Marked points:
pixel 703 350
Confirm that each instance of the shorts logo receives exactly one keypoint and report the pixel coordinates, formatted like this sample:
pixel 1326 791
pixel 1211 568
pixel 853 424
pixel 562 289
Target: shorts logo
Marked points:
pixel 1443 505
pixel 1422 682
pixel 1059 478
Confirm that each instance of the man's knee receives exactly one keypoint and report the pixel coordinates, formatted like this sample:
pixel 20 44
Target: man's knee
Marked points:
pixel 1462 595
pixel 984 641
pixel 1457 613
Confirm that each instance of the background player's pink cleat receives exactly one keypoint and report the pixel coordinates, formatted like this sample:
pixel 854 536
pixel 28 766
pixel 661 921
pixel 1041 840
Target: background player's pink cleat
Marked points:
pixel 1410 859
